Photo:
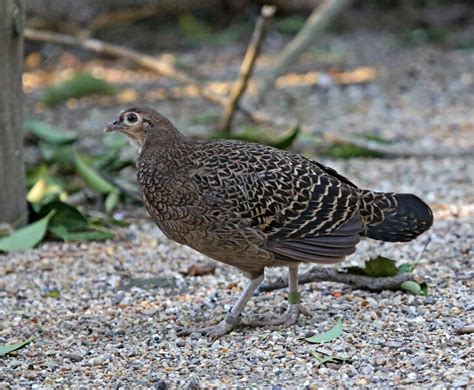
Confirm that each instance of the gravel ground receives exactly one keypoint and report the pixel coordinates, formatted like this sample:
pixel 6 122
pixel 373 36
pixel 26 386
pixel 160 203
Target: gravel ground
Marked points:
pixel 121 302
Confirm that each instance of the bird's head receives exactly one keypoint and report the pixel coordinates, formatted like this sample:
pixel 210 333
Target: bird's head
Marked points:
pixel 139 123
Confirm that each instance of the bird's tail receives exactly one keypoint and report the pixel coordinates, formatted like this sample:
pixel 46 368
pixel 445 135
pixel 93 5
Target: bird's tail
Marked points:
pixel 394 217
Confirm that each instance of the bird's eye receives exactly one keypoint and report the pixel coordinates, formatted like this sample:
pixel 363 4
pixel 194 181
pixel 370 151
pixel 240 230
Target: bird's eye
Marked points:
pixel 131 118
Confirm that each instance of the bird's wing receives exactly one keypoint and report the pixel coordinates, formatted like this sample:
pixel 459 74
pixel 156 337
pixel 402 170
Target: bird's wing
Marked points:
pixel 303 207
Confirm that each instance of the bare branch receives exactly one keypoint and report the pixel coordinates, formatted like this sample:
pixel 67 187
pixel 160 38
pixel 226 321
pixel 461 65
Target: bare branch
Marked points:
pixel 164 68
pixel 240 85
pixel 316 22
pixel 320 274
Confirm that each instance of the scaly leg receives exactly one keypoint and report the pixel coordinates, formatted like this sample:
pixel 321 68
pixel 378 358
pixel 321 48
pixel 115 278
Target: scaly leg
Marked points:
pixel 233 316
pixel 295 308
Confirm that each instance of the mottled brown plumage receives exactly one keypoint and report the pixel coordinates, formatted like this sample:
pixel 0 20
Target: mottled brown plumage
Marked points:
pixel 253 206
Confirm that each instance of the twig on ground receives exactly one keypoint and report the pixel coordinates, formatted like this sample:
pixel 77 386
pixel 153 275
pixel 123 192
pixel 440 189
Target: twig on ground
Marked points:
pixel 316 22
pixel 320 274
pixel 240 85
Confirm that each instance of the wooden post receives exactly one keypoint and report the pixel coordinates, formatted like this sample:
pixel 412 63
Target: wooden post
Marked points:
pixel 12 183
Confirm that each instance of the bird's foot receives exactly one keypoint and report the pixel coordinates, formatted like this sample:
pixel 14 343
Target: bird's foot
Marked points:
pixel 290 318
pixel 215 331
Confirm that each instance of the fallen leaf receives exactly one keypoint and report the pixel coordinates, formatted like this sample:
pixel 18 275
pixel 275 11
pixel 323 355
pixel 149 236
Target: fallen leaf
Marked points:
pixel 411 286
pixel 381 267
pixel 330 335
pixel 26 237
pixel 6 349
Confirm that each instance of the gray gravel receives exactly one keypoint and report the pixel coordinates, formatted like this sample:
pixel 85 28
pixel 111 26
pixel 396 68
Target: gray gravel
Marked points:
pixel 107 331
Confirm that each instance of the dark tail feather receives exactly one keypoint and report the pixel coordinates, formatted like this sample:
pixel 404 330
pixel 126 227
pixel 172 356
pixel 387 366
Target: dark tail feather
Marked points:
pixel 394 217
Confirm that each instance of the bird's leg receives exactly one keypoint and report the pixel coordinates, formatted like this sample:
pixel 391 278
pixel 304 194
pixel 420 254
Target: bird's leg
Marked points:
pixel 295 308
pixel 232 317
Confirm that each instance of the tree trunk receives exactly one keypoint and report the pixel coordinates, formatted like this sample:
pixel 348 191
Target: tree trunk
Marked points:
pixel 12 185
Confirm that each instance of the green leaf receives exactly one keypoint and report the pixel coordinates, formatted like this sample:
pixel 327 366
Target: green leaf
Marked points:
pixel 381 267
pixel 424 289
pixel 406 268
pixel 50 134
pixel 325 337
pixel 286 141
pixel 55 294
pixel 415 288
pixel 111 201
pixel 82 84
pixel 411 286
pixel 91 234
pixel 6 349
pixel 63 155
pixel 65 215
pixel 26 237
pixel 346 150
pixel 91 177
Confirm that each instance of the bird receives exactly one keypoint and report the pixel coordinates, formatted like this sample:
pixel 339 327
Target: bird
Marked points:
pixel 252 206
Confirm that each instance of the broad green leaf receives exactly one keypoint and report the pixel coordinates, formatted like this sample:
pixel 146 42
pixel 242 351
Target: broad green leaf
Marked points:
pixel 82 84
pixel 91 177
pixel 50 134
pixel 6 349
pixel 330 335
pixel 26 237
pixel 381 267
pixel 65 215
pixel 111 201
pixel 415 288
pixel 91 234
pixel 411 286
pixel 286 141
pixel 406 268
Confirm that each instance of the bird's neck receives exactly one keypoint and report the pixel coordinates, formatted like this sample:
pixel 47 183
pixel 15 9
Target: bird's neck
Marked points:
pixel 165 149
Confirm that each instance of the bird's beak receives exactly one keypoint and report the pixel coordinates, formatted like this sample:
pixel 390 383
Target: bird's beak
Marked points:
pixel 112 127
